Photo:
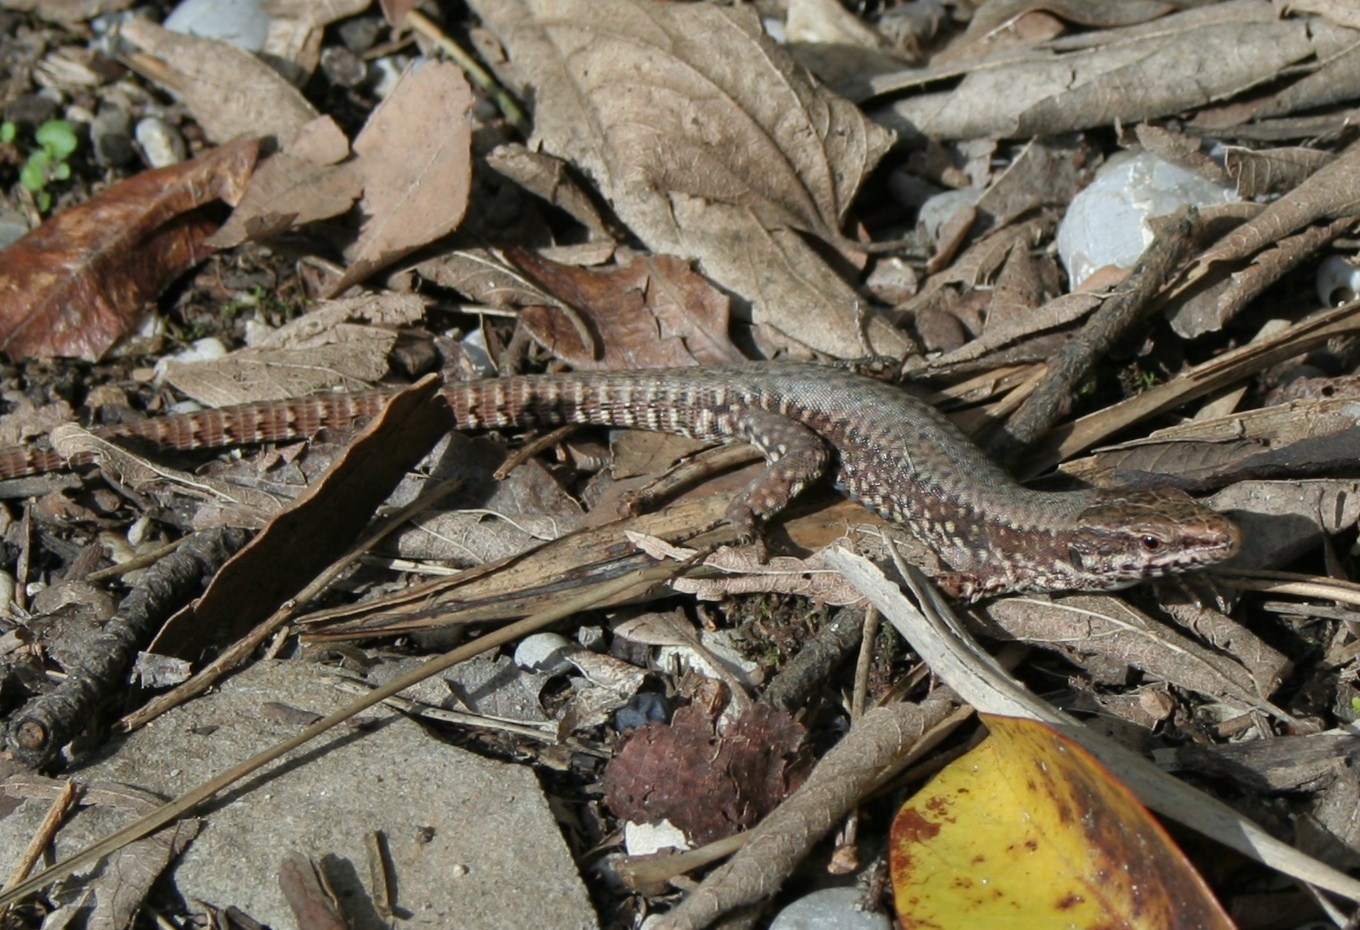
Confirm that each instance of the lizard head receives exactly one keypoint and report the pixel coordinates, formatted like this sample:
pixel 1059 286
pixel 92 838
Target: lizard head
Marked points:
pixel 1126 536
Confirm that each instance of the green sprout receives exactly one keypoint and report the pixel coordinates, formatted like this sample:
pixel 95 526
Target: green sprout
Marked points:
pixel 56 143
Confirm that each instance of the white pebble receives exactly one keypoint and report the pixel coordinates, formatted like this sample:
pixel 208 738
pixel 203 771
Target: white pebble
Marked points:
pixel 160 142
pixel 544 652
pixel 1106 224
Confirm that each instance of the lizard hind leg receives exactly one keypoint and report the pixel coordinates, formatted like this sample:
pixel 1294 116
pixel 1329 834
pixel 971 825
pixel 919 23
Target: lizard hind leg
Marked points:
pixel 797 457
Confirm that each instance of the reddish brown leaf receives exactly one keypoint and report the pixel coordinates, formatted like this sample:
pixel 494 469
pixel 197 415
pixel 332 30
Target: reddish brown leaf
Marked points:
pixel 647 312
pixel 708 785
pixel 79 282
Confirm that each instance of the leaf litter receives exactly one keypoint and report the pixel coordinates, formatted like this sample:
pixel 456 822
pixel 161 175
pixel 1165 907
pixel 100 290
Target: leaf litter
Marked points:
pixel 690 193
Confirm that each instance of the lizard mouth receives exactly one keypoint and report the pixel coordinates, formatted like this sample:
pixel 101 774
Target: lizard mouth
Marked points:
pixel 1221 539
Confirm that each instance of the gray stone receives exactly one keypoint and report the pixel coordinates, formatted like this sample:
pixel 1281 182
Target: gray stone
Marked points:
pixel 472 842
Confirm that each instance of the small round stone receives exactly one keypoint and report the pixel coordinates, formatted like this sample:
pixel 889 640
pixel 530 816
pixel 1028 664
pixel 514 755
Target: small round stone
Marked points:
pixel 830 909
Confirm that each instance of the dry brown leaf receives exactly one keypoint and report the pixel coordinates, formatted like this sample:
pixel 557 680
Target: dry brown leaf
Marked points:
pixel 1046 173
pixel 1168 66
pixel 1331 192
pixel 1085 626
pixel 288 192
pixel 744 571
pixel 760 136
pixel 67 11
pixel 338 343
pixel 1018 298
pixel 26 422
pixel 720 154
pixel 1266 666
pixel 394 11
pixel 296 28
pixel 415 155
pixel 647 312
pixel 295 187
pixel 838 46
pixel 228 90
pixel 549 179
pixel 1341 12
pixel 482 276
pixel 1000 14
pixel 1272 171
pixel 258 374
pixel 1214 300
pixel 1018 284
pixel 1284 520
pixel 1334 80
pixel 273 566
pixel 80 281
pixel 250 506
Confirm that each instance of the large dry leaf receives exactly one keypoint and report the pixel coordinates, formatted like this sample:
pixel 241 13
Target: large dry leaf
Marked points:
pixel 1114 632
pixel 274 566
pixel 1156 69
pixel 707 140
pixel 229 91
pixel 80 281
pixel 415 155
pixel 482 276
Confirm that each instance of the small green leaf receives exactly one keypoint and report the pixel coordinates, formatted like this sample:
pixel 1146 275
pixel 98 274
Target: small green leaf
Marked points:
pixel 57 137
pixel 8 132
pixel 33 175
pixel 44 201
pixel 62 172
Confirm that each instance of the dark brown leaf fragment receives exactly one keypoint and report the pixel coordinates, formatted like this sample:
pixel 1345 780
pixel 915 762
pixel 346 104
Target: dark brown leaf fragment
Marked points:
pixel 709 785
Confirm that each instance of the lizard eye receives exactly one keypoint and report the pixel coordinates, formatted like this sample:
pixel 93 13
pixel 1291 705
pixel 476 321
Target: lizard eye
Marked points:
pixel 1151 543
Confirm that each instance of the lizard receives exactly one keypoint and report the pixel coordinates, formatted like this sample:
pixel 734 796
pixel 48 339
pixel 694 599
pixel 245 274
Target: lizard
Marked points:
pixel 893 452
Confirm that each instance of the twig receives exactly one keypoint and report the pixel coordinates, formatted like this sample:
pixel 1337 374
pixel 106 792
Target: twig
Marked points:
pixel 1128 305
pixel 37 731
pixel 56 812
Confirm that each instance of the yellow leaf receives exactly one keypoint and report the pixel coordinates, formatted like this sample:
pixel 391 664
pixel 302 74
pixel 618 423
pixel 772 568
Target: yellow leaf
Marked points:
pixel 1027 831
